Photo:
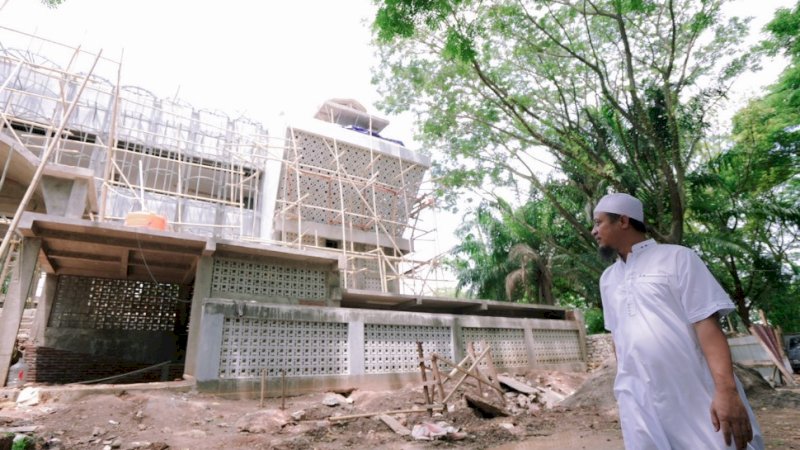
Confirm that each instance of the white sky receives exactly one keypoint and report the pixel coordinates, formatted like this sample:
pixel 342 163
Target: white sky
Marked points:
pixel 252 58
pixel 255 58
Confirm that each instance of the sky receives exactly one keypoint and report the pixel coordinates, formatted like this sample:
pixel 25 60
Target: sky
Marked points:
pixel 267 60
pixel 257 59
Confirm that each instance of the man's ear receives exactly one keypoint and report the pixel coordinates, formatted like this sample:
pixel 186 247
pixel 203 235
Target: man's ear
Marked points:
pixel 624 222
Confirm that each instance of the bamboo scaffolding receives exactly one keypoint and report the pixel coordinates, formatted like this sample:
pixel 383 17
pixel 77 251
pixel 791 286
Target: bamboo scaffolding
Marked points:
pixel 43 163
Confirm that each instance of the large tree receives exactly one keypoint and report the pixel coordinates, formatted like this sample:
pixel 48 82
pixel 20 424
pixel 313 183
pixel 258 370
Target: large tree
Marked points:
pixel 745 200
pixel 615 91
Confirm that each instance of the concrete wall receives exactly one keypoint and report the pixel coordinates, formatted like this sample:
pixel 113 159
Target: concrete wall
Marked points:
pixel 136 346
pixel 92 328
pixel 338 347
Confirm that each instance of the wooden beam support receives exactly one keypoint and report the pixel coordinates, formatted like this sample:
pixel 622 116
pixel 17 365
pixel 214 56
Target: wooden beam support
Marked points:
pixel 116 242
pixel 123 262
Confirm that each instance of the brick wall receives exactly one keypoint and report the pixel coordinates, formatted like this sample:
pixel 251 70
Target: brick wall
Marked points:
pixel 599 347
pixel 50 365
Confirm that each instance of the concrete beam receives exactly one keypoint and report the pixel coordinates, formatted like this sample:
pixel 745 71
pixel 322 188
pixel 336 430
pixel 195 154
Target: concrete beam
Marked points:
pixel 65 197
pixel 13 308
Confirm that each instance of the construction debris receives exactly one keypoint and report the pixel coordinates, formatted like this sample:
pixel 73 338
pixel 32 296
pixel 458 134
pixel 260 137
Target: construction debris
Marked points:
pixel 486 408
pixel 516 385
pixel 428 431
pixel 396 426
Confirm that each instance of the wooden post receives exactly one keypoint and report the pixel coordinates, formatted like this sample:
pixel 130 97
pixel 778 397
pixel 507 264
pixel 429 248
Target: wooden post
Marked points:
pixel 467 373
pixel 492 371
pixel 437 376
pixel 263 375
pixel 283 388
pixel 470 374
pixel 424 376
pixel 471 351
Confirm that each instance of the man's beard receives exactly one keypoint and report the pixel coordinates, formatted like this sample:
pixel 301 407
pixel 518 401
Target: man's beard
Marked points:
pixel 607 253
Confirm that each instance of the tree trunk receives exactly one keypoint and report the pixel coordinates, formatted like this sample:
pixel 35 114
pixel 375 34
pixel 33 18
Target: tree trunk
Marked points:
pixel 739 295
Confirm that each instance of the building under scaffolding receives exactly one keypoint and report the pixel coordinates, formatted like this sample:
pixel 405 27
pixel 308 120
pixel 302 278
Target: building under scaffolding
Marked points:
pixel 205 238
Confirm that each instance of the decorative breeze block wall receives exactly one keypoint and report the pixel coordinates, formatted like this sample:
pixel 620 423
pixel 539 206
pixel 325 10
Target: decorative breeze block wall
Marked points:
pixel 109 304
pixel 390 197
pixel 259 279
pixel 556 346
pixel 393 348
pixel 300 348
pixel 508 345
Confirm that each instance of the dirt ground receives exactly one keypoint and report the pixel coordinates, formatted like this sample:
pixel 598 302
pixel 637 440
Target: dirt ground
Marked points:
pixel 157 420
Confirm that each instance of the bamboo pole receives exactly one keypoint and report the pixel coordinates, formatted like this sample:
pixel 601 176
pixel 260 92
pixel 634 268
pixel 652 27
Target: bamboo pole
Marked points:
pixel 424 376
pixel 12 227
pixel 3 88
pixel 437 376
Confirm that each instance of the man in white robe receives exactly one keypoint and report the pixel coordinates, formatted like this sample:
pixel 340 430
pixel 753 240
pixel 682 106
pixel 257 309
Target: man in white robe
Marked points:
pixel 675 385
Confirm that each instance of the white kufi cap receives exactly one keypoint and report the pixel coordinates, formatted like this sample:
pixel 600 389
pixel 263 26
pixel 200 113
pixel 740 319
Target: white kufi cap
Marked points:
pixel 622 204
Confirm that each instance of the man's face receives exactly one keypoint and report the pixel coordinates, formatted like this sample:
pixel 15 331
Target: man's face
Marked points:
pixel 605 232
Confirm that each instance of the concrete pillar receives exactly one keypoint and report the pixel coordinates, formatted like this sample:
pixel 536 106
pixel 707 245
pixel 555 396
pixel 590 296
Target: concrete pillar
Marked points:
pixel 64 197
pixel 333 282
pixel 202 290
pixel 458 349
pixel 577 316
pixel 530 345
pixel 210 345
pixel 355 346
pixel 18 289
pixel 43 309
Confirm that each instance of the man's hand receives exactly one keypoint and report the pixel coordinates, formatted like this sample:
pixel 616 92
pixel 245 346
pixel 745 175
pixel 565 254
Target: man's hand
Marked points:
pixel 729 414
pixel 727 410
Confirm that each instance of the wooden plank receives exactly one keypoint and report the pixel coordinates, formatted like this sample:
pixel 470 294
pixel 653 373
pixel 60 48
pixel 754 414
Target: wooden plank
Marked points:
pixel 516 385
pixel 755 363
pixel 493 372
pixel 28 429
pixel 471 352
pixel 398 411
pixel 467 372
pixel 144 244
pixel 396 426
pixel 788 377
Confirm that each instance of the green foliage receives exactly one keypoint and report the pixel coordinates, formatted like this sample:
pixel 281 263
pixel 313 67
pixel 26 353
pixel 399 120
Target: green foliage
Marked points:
pixel 784 30
pixel 594 321
pixel 53 3
pixel 609 89
pixel 26 443
pixel 618 95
